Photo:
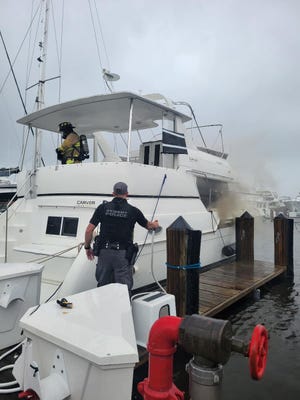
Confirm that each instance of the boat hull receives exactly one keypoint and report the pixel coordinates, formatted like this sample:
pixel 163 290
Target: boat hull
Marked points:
pixel 74 192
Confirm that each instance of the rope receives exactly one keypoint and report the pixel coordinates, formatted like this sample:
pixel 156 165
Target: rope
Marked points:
pixel 18 52
pixel 31 56
pixel 13 73
pixel 96 39
pixel 16 83
pixel 58 50
pixel 40 260
pixel 28 61
pixel 61 283
pixel 101 32
pixel 61 46
pixel 189 266
pixel 11 351
pixel 218 229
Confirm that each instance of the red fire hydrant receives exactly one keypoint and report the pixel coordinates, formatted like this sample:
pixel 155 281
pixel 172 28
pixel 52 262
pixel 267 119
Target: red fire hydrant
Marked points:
pixel 163 338
pixel 211 342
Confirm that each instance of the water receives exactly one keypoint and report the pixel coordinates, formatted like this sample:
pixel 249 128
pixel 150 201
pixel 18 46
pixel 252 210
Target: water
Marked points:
pixel 279 310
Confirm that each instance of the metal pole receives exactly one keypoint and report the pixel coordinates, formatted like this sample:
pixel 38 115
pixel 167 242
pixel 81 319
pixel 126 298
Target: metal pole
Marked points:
pixel 41 85
pixel 129 129
pixel 6 233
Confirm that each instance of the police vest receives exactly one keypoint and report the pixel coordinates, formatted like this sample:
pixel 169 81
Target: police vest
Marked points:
pixel 117 223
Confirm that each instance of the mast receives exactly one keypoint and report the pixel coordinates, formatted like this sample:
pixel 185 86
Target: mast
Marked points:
pixel 40 99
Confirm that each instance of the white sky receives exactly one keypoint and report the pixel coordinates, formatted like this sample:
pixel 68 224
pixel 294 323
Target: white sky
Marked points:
pixel 236 62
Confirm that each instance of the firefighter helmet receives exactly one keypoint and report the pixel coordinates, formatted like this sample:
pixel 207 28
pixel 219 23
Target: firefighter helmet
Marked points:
pixel 65 128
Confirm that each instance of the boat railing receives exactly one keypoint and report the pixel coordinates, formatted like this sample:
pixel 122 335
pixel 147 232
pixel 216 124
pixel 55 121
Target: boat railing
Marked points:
pixel 14 211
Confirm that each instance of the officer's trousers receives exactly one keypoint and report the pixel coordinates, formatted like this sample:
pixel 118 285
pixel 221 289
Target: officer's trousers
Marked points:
pixel 112 267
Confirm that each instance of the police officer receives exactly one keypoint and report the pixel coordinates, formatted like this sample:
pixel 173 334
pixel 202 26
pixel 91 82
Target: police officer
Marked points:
pixel 69 151
pixel 117 219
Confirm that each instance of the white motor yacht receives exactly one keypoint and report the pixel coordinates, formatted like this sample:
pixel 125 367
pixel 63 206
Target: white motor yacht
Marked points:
pixel 167 177
pixel 293 207
pixel 269 204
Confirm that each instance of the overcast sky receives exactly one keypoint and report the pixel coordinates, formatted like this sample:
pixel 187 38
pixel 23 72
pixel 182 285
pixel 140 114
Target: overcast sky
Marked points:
pixel 237 62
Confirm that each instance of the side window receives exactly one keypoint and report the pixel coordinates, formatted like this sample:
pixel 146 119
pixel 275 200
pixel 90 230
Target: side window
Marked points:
pixel 156 154
pixel 146 155
pixel 69 227
pixel 64 226
pixel 53 225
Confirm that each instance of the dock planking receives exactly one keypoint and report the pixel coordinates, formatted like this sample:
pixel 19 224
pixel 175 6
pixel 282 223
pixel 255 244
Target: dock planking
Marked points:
pixel 226 284
pixel 223 286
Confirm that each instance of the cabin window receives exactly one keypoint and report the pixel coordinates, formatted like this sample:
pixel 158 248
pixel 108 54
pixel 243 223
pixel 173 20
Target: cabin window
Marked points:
pixel 69 227
pixel 146 154
pixel 156 154
pixel 53 225
pixel 64 226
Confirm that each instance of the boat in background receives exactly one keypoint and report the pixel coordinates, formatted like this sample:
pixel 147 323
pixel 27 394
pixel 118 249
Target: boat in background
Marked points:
pixel 292 207
pixel 269 204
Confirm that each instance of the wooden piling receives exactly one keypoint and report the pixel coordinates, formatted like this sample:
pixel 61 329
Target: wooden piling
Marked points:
pixel 284 243
pixel 183 253
pixel 244 234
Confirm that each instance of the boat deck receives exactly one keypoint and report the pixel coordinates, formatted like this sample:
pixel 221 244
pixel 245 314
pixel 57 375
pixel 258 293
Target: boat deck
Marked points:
pixel 223 286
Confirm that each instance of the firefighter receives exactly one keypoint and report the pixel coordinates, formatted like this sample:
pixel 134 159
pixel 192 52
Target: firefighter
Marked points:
pixel 69 151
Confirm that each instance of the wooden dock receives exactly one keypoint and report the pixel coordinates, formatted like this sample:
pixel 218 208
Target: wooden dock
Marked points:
pixel 226 284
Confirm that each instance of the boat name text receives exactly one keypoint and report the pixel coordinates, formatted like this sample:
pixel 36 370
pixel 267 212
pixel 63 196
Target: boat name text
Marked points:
pixel 83 203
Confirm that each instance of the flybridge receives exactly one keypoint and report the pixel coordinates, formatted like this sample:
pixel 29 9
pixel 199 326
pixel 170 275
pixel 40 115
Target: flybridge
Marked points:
pixel 116 113
pixel 112 113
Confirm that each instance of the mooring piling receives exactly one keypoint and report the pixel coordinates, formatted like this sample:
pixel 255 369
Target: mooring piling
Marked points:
pixel 244 234
pixel 183 253
pixel 226 283
pixel 284 243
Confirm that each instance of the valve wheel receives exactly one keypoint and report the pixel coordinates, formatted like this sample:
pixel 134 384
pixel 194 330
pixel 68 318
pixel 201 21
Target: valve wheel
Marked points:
pixel 28 394
pixel 258 350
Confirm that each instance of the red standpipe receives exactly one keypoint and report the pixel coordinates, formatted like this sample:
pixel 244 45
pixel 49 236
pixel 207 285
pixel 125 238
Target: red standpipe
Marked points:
pixel 161 346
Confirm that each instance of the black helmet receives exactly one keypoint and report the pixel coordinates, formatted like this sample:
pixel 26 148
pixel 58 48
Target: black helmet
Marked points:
pixel 65 128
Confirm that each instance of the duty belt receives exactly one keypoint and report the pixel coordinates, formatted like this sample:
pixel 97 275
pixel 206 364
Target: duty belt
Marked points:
pixel 113 246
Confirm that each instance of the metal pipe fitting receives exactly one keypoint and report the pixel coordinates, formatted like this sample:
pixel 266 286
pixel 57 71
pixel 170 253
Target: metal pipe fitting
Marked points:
pixel 206 337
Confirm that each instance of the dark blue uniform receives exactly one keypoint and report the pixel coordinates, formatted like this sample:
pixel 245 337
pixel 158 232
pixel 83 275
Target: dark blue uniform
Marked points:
pixel 117 219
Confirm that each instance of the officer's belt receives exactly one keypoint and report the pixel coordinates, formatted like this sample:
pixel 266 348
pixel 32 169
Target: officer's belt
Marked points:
pixel 114 246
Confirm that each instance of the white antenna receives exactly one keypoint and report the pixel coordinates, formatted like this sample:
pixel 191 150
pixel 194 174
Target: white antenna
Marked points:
pixel 110 77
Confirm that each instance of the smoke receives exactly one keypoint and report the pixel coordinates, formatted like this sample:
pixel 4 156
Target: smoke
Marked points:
pixel 251 158
pixel 234 203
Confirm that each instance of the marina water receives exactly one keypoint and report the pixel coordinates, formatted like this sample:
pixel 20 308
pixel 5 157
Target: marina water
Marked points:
pixel 279 310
